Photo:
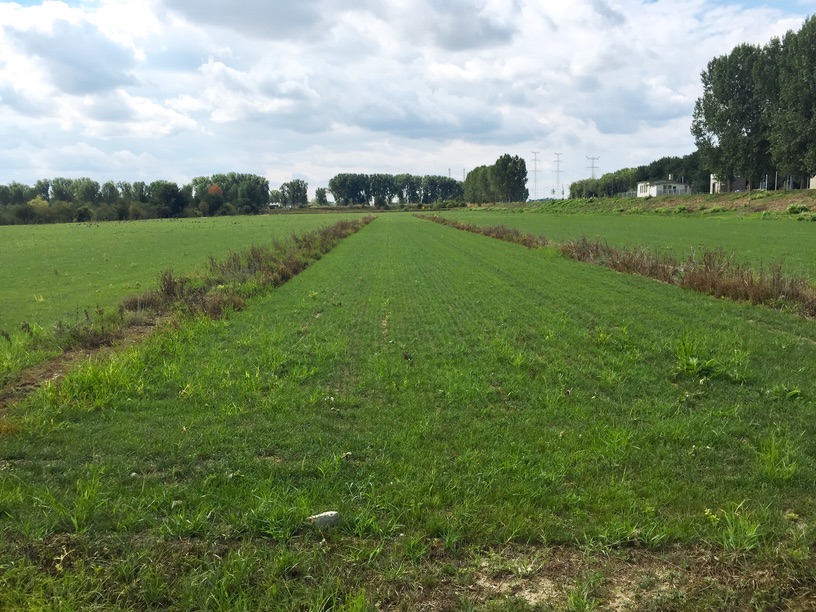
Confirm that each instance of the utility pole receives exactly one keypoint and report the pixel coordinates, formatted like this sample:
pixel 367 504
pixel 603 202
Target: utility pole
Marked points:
pixel 535 175
pixel 558 187
pixel 593 167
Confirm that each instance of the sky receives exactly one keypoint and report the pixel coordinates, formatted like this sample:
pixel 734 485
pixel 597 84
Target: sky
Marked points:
pixel 175 89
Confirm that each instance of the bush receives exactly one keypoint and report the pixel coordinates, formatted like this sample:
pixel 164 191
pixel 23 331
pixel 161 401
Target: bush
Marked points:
pixel 797 209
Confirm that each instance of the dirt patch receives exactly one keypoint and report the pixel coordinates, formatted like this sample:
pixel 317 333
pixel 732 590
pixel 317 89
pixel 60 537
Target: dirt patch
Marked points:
pixel 629 578
pixel 53 370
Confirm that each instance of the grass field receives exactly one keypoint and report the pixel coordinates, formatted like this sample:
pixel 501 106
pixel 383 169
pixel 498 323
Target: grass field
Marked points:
pixel 52 272
pixel 498 427
pixel 751 238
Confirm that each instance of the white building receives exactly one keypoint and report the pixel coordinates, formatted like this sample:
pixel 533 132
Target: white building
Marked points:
pixel 662 188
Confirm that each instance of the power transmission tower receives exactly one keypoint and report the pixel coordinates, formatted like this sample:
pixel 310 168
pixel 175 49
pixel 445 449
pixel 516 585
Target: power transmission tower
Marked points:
pixel 558 187
pixel 535 175
pixel 593 167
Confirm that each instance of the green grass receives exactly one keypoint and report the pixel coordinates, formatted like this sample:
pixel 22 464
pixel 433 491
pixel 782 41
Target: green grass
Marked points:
pixel 752 239
pixel 461 402
pixel 52 272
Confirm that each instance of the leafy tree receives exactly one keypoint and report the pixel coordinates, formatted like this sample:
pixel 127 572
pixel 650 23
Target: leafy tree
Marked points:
pixel 43 188
pixel 381 189
pixel 449 189
pixel 62 189
pixel 408 188
pixel 167 198
pixel 253 190
pixel 509 177
pixel 479 187
pixel 212 201
pixel 349 189
pixel 109 194
pixel 793 124
pixel 320 196
pixel 39 207
pixel 504 181
pixel 437 188
pixel 295 192
pixel 83 214
pixel 86 191
pixel 19 194
pixel 729 123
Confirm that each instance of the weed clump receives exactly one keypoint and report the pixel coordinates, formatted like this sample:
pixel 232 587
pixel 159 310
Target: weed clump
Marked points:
pixel 501 232
pixel 224 288
pixel 227 284
pixel 712 271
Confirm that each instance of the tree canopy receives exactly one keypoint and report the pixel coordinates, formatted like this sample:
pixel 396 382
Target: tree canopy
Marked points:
pixel 381 189
pixel 687 169
pixel 757 113
pixel 504 181
pixel 63 200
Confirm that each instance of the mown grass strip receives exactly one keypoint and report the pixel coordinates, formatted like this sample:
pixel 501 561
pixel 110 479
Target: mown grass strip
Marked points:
pixel 711 271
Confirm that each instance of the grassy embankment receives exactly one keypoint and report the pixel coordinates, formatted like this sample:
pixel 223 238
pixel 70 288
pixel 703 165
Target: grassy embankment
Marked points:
pixel 772 202
pixel 493 423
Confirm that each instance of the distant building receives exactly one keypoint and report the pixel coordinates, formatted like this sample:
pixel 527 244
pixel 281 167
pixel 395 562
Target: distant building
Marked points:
pixel 737 184
pixel 662 188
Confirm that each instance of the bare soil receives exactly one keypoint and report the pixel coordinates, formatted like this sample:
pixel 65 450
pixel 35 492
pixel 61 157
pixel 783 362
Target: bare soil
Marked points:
pixel 53 370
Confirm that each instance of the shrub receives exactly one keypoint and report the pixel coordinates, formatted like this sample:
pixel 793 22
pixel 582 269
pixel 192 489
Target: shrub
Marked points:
pixel 797 209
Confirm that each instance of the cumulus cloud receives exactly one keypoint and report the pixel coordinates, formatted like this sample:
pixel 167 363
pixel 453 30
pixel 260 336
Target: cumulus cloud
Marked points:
pixel 310 88
pixel 78 58
pixel 280 19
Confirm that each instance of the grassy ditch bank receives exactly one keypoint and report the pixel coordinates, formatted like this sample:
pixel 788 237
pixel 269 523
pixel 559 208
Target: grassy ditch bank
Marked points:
pixel 225 285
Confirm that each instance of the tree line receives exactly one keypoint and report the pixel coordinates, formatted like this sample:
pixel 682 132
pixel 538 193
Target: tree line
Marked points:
pixel 64 200
pixel 352 189
pixel 688 169
pixel 757 114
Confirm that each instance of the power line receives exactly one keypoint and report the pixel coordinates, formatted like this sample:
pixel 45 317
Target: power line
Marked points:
pixel 558 187
pixel 535 175
pixel 593 167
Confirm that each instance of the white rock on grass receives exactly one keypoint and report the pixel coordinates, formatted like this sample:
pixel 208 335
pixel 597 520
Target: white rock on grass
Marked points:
pixel 325 520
